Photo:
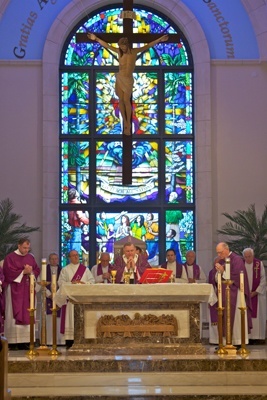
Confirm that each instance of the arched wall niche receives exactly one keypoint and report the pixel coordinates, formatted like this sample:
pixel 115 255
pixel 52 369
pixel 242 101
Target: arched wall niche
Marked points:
pixel 56 37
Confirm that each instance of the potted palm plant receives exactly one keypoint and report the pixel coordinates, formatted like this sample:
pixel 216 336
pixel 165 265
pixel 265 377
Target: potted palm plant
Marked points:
pixel 246 229
pixel 11 229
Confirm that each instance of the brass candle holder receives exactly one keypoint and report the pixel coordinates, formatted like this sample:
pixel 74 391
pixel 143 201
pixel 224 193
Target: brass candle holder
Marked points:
pixel 31 352
pixel 221 350
pixel 54 351
pixel 43 347
pixel 231 350
pixel 113 275
pixel 243 350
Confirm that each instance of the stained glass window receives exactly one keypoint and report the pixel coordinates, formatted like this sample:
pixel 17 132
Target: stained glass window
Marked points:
pixel 96 208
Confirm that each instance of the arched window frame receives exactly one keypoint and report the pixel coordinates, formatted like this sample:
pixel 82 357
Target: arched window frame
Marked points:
pixel 56 37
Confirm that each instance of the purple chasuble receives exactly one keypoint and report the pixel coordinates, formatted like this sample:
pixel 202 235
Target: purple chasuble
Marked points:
pixel 196 271
pixel 141 265
pixel 100 270
pixel 76 277
pixel 236 266
pixel 20 292
pixel 179 269
pixel 256 277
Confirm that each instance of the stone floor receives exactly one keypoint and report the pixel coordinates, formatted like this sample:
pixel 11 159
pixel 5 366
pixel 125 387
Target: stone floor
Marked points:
pixel 148 377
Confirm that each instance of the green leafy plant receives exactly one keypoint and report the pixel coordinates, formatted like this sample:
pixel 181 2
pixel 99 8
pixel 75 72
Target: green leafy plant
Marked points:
pixel 246 229
pixel 11 229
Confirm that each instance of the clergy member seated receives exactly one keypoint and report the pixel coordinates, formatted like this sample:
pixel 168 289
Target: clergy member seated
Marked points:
pixel 178 270
pixel 74 272
pixel 101 271
pixel 194 272
pixel 130 261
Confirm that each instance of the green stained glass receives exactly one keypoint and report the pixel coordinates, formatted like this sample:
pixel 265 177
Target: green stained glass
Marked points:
pixel 178 103
pixel 179 232
pixel 179 172
pixel 75 101
pixel 74 170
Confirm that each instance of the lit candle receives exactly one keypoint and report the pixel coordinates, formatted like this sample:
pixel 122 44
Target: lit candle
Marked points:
pixel 54 289
pixel 219 290
pixel 227 268
pixel 242 291
pixel 43 275
pixel 31 291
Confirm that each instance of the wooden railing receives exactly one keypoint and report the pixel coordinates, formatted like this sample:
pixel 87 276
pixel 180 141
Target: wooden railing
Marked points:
pixel 5 394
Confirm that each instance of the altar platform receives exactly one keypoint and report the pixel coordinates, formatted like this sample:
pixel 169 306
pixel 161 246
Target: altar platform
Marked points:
pixel 139 377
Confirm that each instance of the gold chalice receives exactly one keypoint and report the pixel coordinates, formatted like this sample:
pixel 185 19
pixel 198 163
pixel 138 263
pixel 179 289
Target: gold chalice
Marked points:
pixel 126 276
pixel 113 275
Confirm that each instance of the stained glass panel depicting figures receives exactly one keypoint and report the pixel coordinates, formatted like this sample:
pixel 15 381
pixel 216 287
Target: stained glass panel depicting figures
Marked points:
pixel 74 172
pixel 109 21
pixel 178 103
pixel 75 103
pixel 179 172
pixel 180 232
pixel 144 104
pixel 144 185
pixel 75 235
pixel 112 227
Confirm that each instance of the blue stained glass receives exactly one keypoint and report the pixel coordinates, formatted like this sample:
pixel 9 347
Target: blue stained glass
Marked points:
pixel 179 172
pixel 109 186
pixel 180 232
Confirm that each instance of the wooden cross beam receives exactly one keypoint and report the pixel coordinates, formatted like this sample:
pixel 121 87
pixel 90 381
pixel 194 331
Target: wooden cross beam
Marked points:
pixel 132 38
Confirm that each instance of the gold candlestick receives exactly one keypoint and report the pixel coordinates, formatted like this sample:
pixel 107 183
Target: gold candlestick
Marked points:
pixel 243 350
pixel 113 275
pixel 221 350
pixel 231 350
pixel 54 351
pixel 43 348
pixel 32 352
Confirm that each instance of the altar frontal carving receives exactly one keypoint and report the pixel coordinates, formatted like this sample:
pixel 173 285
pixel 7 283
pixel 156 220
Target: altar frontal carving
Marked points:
pixel 147 325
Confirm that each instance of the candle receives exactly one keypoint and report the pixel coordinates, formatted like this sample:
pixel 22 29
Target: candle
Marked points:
pixel 54 289
pixel 242 292
pixel 219 290
pixel 31 291
pixel 43 275
pixel 227 268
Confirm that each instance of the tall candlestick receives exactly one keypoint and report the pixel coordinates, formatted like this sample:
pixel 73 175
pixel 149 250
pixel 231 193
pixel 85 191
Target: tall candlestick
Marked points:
pixel 220 290
pixel 31 291
pixel 227 268
pixel 54 289
pixel 242 291
pixel 43 274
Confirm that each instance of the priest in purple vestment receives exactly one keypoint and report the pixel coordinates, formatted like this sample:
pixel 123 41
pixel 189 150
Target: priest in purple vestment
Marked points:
pixel 17 268
pixel 102 271
pixel 236 267
pixel 130 261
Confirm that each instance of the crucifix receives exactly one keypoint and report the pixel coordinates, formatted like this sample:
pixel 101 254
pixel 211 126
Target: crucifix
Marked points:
pixel 124 79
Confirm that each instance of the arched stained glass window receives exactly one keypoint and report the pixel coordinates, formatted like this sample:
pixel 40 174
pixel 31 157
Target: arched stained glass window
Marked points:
pixel 158 208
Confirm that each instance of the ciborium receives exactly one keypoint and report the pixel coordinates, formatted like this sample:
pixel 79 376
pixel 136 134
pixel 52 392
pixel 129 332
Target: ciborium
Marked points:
pixel 113 275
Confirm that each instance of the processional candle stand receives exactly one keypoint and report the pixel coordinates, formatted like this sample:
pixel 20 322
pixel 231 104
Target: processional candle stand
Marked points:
pixel 220 309
pixel 43 347
pixel 54 351
pixel 231 350
pixel 243 350
pixel 31 352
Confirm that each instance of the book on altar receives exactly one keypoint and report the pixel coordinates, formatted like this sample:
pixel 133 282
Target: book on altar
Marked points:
pixel 156 275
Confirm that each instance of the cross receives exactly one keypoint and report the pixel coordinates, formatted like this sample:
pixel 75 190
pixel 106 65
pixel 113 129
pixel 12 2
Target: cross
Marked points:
pixel 128 16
